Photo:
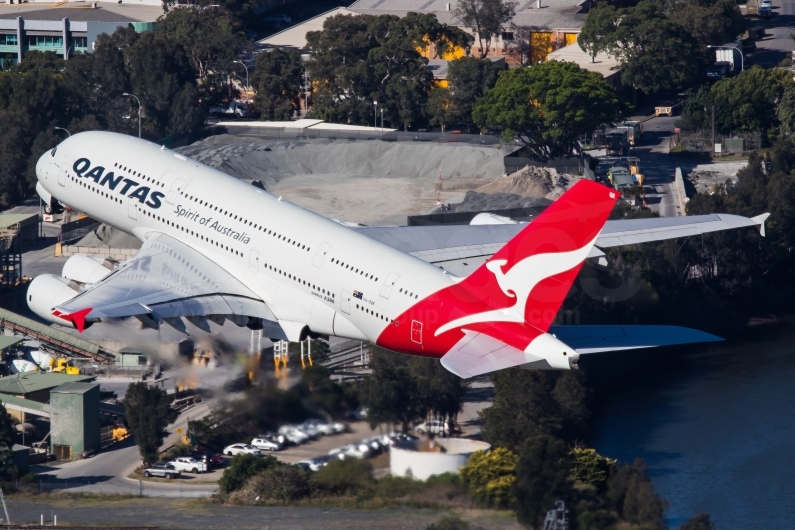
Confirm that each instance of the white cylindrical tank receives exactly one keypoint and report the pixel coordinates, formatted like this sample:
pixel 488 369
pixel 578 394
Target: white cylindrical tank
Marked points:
pixel 406 456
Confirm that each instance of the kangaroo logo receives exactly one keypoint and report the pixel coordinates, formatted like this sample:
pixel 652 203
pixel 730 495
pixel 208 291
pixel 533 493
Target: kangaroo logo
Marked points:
pixel 519 282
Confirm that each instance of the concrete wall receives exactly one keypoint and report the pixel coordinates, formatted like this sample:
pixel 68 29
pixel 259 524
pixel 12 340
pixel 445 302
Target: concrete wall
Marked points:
pixel 104 252
pixel 404 458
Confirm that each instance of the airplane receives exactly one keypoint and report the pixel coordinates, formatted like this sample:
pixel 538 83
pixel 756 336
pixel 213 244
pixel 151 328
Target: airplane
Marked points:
pixel 478 297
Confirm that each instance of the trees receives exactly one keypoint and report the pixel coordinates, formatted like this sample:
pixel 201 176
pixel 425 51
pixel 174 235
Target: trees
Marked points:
pixel 440 108
pixel 469 80
pixel 148 412
pixel 359 60
pixel 634 497
pixel 485 18
pixel 211 38
pixel 7 435
pixel 565 101
pixel 541 478
pixel 278 78
pixel 243 467
pixel 490 477
pixel 699 522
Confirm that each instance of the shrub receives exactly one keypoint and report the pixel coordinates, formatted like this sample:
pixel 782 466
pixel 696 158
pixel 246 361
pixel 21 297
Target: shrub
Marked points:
pixel 242 468
pixel 344 477
pixel 490 476
pixel 589 467
pixel 451 521
pixel 280 482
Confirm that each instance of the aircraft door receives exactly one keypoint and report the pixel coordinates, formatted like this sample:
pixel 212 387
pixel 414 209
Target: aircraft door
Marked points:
pixel 132 208
pixel 253 261
pixel 317 261
pixel 171 196
pixel 416 331
pixel 386 289
pixel 62 174
pixel 345 302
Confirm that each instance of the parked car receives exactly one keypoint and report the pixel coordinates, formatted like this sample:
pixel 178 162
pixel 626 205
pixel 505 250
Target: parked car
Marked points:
pixel 339 427
pixel 435 427
pixel 357 414
pixel 293 434
pixel 314 464
pixel 241 449
pixel 162 470
pixel 266 444
pixel 375 444
pixel 766 3
pixel 212 460
pixel 765 11
pixel 189 464
pixel 355 450
pixel 325 428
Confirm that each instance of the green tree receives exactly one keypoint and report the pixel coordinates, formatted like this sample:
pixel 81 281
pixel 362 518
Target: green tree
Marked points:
pixel 278 78
pixel 241 468
pixel 541 478
pixel 391 393
pixel 344 477
pixel 785 113
pixel 485 18
pixel 440 107
pixel 211 38
pixel 8 436
pixel 589 467
pixel 490 476
pixel 281 482
pixel 633 496
pixel 469 80
pixel 715 23
pixel 148 412
pixel 547 107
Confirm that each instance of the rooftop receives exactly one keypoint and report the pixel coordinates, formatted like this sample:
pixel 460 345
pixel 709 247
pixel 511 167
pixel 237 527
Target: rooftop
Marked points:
pixel 74 388
pixel 7 342
pixel 559 14
pixel 82 12
pixel 28 382
pixel 602 64
pixel 9 219
pixel 295 36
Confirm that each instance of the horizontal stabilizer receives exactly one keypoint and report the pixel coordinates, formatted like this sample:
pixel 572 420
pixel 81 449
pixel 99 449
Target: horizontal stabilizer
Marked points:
pixel 595 339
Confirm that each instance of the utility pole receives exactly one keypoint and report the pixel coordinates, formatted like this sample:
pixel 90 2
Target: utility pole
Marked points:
pixel 713 129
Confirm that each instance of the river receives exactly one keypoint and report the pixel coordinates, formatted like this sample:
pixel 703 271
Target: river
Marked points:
pixel 715 425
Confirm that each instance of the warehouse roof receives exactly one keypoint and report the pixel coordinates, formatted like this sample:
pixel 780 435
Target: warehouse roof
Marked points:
pixel 602 64
pixel 51 332
pixel 25 405
pixel 553 14
pixel 74 388
pixel 7 342
pixel 28 382
pixel 295 36
pixel 9 219
pixel 83 14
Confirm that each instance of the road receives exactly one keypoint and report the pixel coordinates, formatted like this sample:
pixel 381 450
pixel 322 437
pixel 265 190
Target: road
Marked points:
pixel 107 471
pixel 777 44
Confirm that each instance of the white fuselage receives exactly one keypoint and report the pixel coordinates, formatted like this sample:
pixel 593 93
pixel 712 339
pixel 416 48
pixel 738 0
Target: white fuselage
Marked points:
pixel 308 269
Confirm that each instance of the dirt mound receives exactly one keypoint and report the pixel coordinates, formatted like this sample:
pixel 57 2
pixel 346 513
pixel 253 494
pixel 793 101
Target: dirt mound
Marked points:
pixel 488 202
pixel 531 181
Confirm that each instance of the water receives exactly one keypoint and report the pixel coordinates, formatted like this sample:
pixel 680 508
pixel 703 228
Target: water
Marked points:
pixel 716 427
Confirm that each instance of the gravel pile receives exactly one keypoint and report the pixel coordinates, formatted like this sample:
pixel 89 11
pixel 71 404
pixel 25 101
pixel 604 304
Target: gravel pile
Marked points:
pixel 531 182
pixel 477 202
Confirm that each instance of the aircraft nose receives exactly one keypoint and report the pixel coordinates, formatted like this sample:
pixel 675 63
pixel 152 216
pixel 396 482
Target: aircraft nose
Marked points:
pixel 43 165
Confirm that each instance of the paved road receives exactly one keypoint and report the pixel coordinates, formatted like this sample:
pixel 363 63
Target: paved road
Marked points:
pixel 107 471
pixel 777 44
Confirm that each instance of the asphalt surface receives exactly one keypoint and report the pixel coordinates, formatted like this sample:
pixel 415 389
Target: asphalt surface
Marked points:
pixel 777 44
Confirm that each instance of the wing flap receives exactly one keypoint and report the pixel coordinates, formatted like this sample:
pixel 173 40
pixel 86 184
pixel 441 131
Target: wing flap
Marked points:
pixel 595 339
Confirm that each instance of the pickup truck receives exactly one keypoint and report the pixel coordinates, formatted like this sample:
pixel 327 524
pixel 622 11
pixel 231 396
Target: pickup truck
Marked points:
pixel 162 470
pixel 191 465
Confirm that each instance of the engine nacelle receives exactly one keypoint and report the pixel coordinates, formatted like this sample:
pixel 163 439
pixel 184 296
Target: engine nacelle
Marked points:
pixel 47 291
pixel 85 269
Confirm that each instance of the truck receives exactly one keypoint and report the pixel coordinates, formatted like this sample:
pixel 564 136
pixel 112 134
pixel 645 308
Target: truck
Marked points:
pixel 620 177
pixel 617 142
pixel 635 130
pixel 668 108
pixel 235 108
pixel 633 164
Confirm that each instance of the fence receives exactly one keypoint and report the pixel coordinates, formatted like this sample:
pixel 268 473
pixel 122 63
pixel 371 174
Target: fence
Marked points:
pixel 289 133
pixel 74 230
pixel 725 144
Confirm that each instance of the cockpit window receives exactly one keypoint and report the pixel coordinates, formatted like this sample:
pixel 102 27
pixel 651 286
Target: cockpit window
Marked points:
pixel 52 153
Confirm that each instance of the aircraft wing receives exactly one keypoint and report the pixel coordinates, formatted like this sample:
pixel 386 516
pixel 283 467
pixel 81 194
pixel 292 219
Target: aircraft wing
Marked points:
pixel 477 353
pixel 461 248
pixel 167 280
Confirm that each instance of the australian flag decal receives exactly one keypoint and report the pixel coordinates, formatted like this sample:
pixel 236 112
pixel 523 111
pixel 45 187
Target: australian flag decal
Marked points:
pixel 357 294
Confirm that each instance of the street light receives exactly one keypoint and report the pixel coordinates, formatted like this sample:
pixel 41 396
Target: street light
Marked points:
pixel 62 129
pixel 139 110
pixel 246 67
pixel 375 114
pixel 742 59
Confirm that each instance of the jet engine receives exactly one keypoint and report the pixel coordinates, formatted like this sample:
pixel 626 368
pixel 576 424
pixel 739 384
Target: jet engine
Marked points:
pixel 83 268
pixel 47 291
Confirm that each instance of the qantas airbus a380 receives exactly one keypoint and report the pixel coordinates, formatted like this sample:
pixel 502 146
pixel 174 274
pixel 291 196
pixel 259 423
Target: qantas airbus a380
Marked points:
pixel 479 297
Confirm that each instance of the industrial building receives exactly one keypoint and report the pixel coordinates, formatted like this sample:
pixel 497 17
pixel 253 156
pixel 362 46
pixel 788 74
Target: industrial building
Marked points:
pixel 64 30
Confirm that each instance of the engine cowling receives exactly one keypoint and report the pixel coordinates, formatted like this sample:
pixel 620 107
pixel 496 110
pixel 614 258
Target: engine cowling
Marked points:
pixel 47 291
pixel 85 269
